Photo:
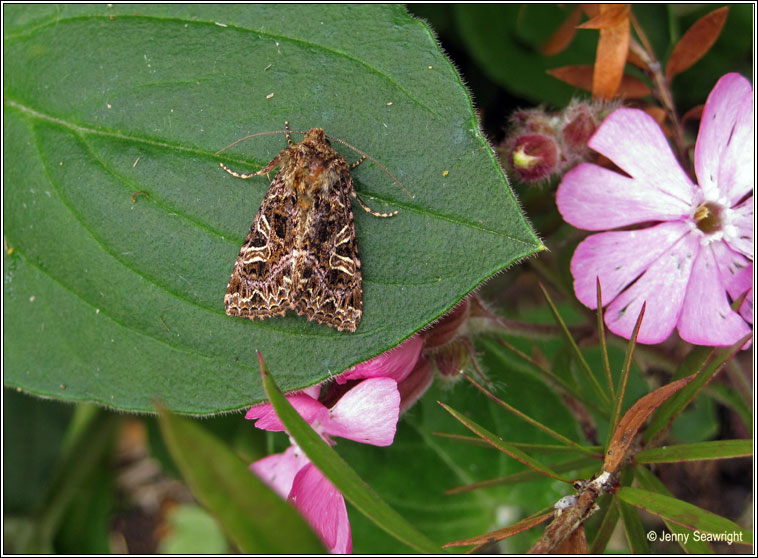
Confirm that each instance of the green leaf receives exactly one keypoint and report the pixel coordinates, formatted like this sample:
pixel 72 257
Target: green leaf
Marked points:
pixel 345 479
pixel 588 374
pixel 122 301
pixel 192 531
pixel 684 537
pixel 89 440
pixel 718 449
pixel 633 528
pixel 255 518
pixel 733 399
pixel 86 525
pixel 608 518
pixel 33 431
pixel 498 443
pixel 531 474
pixel 685 514
pixel 428 466
pixel 505 38
pixel 673 406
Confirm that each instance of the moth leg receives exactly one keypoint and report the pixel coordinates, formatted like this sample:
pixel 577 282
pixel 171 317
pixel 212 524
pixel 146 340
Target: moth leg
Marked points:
pixel 358 162
pixel 367 209
pixel 287 132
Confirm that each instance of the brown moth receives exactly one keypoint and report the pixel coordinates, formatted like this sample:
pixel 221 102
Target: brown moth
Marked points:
pixel 301 253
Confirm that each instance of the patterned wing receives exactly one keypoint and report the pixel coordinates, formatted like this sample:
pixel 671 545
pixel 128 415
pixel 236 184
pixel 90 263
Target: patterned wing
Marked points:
pixel 261 284
pixel 328 285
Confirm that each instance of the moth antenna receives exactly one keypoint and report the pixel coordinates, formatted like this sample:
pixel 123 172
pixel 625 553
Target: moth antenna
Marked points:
pixel 256 135
pixel 370 158
pixel 343 142
pixel 288 133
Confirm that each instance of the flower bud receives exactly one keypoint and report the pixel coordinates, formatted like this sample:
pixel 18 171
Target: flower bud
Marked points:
pixel 451 359
pixel 533 157
pixel 448 327
pixel 416 384
pixel 581 124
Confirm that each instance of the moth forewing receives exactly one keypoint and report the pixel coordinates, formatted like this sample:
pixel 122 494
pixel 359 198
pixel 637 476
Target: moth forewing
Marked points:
pixel 301 252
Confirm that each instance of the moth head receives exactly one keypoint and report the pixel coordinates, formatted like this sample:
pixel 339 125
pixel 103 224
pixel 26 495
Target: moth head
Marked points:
pixel 315 135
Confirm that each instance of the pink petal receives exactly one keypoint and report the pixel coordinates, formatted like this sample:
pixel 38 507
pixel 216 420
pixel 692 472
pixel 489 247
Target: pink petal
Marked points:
pixel 367 413
pixel 313 391
pixel 725 107
pixel 308 408
pixel 323 506
pixel 746 308
pixel 735 270
pixel 743 221
pixel 663 287
pixel 396 363
pixel 707 318
pixel 736 172
pixel 634 141
pixel 618 258
pixel 593 198
pixel 279 470
pixel 742 285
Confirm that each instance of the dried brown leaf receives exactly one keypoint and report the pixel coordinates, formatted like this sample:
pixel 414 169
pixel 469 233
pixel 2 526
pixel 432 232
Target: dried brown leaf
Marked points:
pixel 580 76
pixel 504 533
pixel 612 50
pixel 562 36
pixel 568 519
pixel 575 543
pixel 632 421
pixel 632 88
pixel 695 113
pixel 696 41
pixel 591 10
pixel 609 15
pixel 658 114
pixel 660 117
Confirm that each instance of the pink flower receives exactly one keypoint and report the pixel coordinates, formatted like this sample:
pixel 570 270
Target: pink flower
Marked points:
pixel 396 363
pixel 686 247
pixel 367 413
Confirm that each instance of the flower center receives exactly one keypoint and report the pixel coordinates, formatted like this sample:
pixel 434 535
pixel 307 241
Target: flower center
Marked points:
pixel 709 217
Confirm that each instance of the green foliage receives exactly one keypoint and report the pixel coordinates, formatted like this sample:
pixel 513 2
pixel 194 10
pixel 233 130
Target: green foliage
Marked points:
pixel 683 513
pixel 427 465
pixel 116 302
pixel 122 301
pixel 345 479
pixel 193 531
pixel 254 517
pixel 33 431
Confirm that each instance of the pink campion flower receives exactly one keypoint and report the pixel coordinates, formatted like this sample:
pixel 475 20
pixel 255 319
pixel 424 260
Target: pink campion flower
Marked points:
pixel 396 363
pixel 367 413
pixel 690 245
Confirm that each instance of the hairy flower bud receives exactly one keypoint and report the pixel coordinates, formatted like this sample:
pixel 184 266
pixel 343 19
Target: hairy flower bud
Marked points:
pixel 541 144
pixel 581 124
pixel 533 157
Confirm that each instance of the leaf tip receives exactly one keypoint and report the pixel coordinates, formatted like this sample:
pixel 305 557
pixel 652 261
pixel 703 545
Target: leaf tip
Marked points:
pixel 262 365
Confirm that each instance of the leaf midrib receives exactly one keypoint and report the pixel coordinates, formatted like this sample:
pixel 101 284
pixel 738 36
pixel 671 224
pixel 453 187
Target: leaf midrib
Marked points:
pixel 82 131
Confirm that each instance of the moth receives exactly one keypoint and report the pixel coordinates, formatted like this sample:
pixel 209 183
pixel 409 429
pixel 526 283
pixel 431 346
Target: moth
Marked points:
pixel 301 253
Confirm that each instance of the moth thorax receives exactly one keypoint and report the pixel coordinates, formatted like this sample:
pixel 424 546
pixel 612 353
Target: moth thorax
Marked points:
pixel 316 167
pixel 315 135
